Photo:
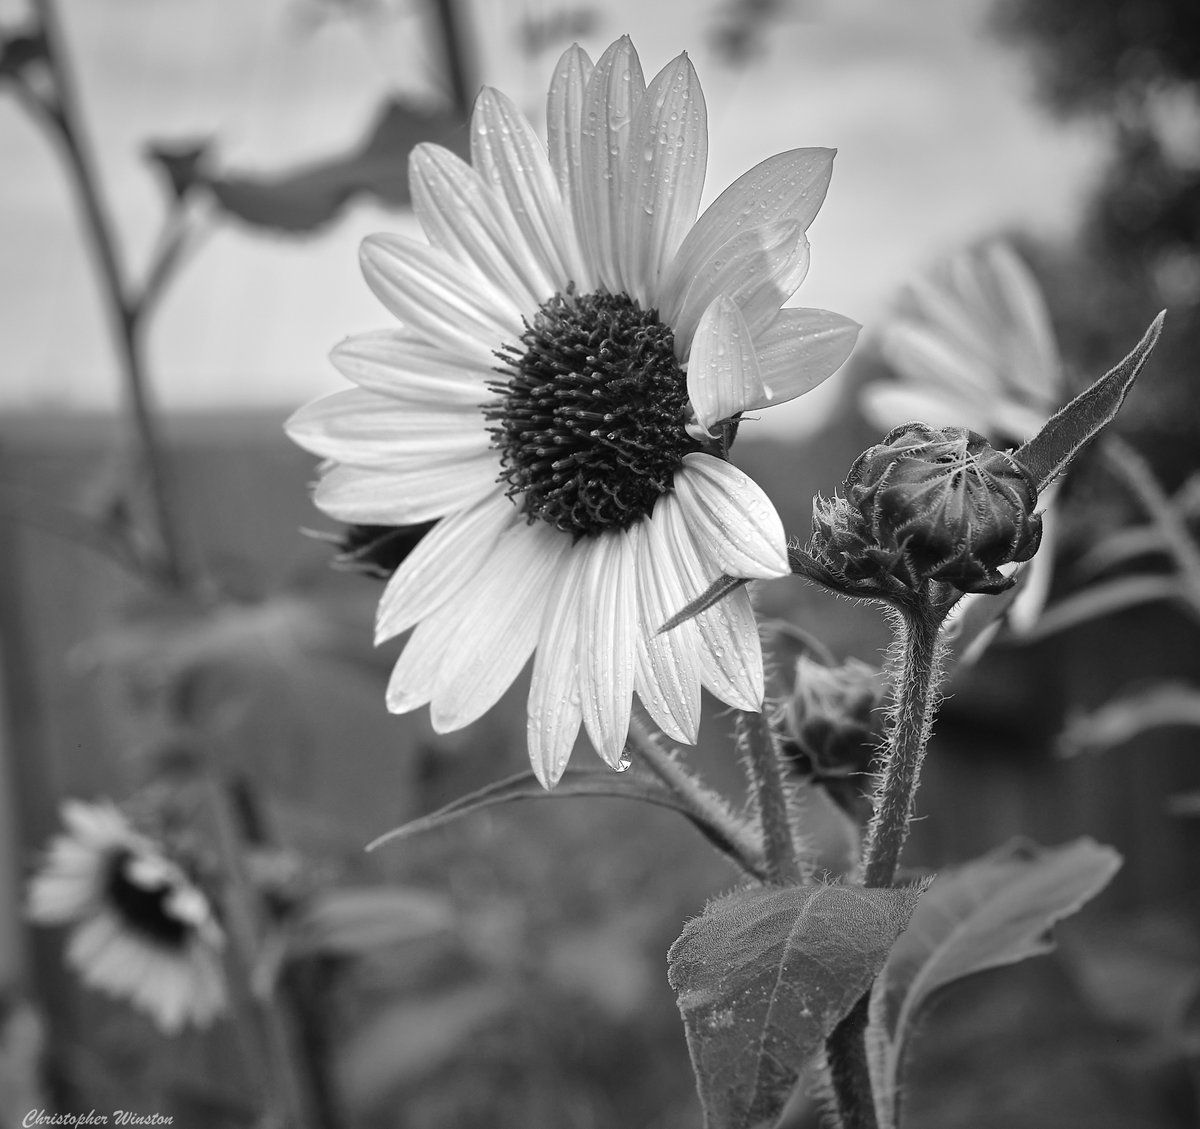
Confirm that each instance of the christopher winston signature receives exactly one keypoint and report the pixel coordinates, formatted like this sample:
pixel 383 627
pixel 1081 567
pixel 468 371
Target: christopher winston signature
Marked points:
pixel 117 1117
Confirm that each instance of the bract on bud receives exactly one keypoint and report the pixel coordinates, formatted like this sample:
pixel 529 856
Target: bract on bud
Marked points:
pixel 831 718
pixel 931 504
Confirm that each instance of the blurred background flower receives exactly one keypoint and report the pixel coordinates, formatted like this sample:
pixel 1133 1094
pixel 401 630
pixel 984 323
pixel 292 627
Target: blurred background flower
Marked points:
pixel 141 929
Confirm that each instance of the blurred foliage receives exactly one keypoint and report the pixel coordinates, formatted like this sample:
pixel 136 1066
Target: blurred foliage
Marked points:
pixel 303 199
pixel 1133 67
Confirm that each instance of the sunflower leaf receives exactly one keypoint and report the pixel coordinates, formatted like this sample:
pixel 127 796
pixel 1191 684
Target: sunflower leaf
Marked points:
pixel 1069 430
pixel 993 911
pixel 713 594
pixel 632 785
pixel 764 975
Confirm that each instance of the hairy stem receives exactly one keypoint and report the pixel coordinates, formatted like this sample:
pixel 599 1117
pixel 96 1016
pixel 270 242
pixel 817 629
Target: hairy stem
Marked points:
pixel 915 697
pixel 755 738
pixel 915 701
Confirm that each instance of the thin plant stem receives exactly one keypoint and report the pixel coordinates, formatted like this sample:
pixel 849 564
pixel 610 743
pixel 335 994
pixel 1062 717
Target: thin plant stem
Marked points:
pixel 755 738
pixel 697 797
pixel 286 1080
pixel 124 316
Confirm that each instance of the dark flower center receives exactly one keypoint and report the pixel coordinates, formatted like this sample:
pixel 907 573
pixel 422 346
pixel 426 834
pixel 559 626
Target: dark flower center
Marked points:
pixel 590 420
pixel 143 908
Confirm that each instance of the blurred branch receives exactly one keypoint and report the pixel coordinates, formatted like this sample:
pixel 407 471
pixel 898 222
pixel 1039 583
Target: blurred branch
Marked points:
pixel 60 111
pixel 456 56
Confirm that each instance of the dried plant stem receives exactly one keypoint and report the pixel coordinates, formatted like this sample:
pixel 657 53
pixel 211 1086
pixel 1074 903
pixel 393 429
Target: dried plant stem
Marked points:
pixel 62 114
pixel 757 742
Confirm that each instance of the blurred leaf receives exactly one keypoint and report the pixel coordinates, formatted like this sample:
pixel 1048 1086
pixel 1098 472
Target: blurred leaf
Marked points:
pixel 764 975
pixel 994 911
pixel 305 198
pixel 631 785
pixel 1120 547
pixel 1105 599
pixel 350 920
pixel 1118 721
pixel 19 49
pixel 713 594
pixel 411 1039
pixel 1071 428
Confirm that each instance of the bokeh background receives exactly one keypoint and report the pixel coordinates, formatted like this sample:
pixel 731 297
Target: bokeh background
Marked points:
pixel 1071 128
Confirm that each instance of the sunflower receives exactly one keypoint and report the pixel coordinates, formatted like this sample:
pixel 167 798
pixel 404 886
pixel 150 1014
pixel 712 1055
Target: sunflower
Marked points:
pixel 142 930
pixel 972 346
pixel 574 353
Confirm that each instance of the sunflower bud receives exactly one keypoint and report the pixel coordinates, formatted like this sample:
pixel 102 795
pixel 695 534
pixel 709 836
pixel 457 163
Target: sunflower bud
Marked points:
pixel 931 504
pixel 830 722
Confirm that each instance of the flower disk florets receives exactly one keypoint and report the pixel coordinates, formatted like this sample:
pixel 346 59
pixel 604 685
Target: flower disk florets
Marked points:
pixel 591 415
pixel 944 505
pixel 144 903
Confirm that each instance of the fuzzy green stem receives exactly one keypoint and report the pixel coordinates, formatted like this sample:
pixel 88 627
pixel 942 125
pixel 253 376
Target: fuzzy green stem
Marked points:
pixel 754 736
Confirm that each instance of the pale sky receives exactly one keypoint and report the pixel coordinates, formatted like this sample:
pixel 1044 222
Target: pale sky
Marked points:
pixel 939 143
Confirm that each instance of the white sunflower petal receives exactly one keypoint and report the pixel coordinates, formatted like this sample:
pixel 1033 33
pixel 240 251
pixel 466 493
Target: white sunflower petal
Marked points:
pixel 731 518
pixel 608 640
pixel 393 364
pixel 437 297
pixel 668 669
pixel 445 560
pixel 511 159
pixel 664 176
pixel 414 676
pixel 730 656
pixel 611 99
pixel 501 615
pixel 460 214
pixel 800 349
pixel 554 711
pixel 759 269
pixel 723 375
pixel 788 187
pixel 564 119
pixel 363 428
pixel 405 496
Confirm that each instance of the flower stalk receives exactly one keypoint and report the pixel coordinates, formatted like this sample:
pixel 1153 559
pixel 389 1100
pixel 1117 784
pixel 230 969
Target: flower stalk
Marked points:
pixel 757 742
pixel 915 699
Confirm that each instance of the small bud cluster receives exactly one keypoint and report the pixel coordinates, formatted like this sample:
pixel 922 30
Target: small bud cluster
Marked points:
pixel 830 721
pixel 929 504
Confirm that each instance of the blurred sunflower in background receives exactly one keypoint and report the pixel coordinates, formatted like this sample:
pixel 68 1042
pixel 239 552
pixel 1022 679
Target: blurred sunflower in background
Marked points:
pixel 141 929
pixel 971 345
pixel 575 352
